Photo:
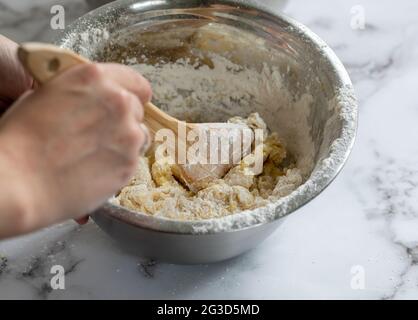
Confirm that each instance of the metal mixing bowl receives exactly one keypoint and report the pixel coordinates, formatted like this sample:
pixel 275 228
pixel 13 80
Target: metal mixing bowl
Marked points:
pixel 249 35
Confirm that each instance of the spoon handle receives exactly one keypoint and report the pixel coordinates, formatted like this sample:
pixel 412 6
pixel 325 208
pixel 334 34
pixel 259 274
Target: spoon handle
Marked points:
pixel 45 61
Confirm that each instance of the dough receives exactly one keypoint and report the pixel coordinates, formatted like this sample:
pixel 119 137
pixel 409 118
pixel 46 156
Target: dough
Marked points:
pixel 154 189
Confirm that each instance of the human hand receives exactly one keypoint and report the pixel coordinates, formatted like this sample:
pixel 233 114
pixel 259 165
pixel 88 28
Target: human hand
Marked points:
pixel 75 140
pixel 14 80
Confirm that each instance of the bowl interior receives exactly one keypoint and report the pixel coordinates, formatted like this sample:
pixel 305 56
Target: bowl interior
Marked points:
pixel 295 82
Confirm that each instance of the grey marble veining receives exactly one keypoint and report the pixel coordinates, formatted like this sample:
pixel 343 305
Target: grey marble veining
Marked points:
pixel 366 220
pixel 26 20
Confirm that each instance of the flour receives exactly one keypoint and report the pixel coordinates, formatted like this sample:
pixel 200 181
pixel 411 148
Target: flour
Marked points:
pixel 215 92
pixel 154 189
pixel 201 93
pixel 309 102
pixel 86 43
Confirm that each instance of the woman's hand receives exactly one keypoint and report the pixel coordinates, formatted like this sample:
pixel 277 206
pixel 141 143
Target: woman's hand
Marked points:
pixel 68 146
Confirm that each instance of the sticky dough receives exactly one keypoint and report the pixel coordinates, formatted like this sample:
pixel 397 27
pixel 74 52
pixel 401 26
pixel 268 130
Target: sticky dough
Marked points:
pixel 154 189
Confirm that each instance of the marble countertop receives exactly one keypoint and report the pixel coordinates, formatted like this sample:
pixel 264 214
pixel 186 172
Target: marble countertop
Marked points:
pixel 358 239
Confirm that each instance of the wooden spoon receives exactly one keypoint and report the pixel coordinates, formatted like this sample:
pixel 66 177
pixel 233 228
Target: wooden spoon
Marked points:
pixel 44 61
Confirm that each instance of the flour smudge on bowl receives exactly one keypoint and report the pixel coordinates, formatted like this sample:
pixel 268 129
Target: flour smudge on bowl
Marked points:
pixel 193 91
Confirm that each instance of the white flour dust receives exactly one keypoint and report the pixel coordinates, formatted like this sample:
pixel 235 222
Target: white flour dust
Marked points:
pixel 199 93
pixel 202 93
pixel 217 92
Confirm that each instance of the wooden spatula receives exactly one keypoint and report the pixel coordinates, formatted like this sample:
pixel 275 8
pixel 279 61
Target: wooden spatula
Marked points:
pixel 44 61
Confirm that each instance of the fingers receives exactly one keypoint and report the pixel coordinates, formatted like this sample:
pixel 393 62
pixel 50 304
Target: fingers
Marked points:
pixel 128 141
pixel 91 74
pixel 120 90
pixel 128 79
pixel 128 136
pixel 122 104
pixel 147 144
pixel 120 84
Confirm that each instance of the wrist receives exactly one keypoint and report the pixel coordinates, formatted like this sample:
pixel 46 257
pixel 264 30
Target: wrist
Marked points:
pixel 16 201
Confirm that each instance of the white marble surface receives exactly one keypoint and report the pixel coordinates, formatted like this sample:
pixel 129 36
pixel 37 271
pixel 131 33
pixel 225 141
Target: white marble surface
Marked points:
pixel 368 217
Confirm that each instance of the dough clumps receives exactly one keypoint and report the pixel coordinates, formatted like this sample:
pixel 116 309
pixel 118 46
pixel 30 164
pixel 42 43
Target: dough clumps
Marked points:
pixel 154 190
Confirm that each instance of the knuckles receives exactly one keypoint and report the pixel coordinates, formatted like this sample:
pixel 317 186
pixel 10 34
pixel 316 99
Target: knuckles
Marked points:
pixel 144 89
pixel 133 138
pixel 120 102
pixel 124 109
pixel 124 105
pixel 91 73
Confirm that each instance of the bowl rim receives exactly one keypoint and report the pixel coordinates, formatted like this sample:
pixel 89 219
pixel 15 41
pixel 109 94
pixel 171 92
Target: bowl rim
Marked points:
pixel 312 187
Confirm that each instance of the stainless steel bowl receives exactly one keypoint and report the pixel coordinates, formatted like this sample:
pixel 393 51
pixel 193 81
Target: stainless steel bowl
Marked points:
pixel 162 29
pixel 276 4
